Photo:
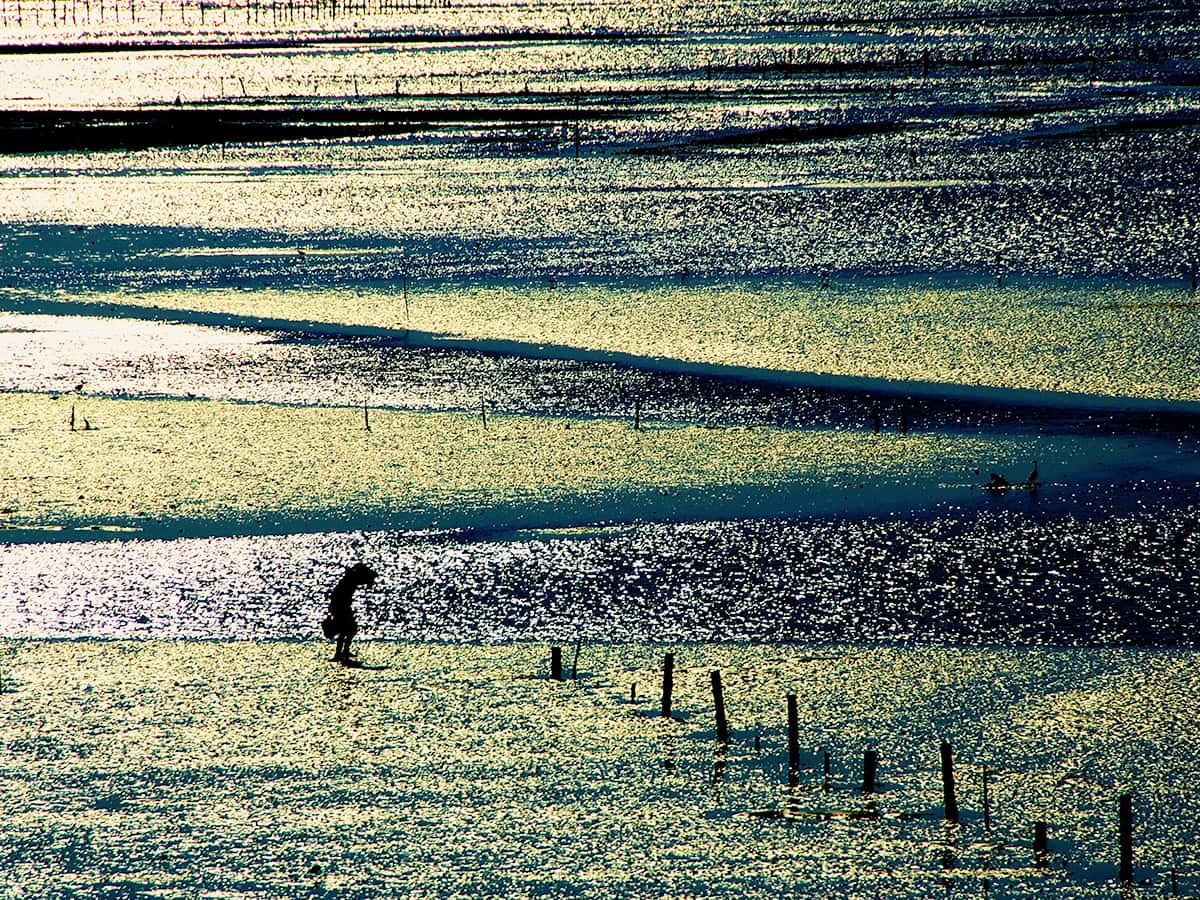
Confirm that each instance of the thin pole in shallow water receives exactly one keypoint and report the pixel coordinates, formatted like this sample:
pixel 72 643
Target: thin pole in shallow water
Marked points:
pixel 793 741
pixel 870 770
pixel 1041 844
pixel 948 799
pixel 1125 825
pixel 987 806
pixel 668 684
pixel 719 704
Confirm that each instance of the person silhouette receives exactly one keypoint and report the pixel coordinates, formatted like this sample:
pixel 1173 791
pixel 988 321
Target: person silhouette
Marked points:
pixel 340 623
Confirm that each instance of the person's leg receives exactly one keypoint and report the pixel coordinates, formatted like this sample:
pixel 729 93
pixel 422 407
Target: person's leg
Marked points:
pixel 339 648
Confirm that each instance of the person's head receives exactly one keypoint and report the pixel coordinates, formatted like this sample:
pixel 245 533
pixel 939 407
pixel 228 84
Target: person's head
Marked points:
pixel 363 574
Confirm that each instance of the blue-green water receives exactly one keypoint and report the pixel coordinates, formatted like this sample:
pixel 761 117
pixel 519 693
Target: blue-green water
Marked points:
pixel 974 222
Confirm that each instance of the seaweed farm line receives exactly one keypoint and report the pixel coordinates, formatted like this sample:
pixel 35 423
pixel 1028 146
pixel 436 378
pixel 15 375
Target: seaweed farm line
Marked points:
pixel 186 15
pixel 280 21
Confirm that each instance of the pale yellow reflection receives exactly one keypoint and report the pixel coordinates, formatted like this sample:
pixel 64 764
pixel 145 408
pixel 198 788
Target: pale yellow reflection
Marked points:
pixel 1117 341
pixel 452 769
pixel 129 462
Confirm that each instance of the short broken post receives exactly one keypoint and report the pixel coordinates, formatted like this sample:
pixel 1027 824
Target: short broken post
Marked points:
pixel 793 741
pixel 1125 822
pixel 668 684
pixel 870 770
pixel 719 704
pixel 948 799
pixel 556 672
pixel 1041 845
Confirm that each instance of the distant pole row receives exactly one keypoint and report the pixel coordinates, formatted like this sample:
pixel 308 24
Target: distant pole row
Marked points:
pixel 870 770
pixel 200 12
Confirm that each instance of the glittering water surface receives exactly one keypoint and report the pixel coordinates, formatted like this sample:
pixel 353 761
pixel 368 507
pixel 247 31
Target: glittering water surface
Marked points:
pixel 690 327
pixel 1106 565
pixel 204 769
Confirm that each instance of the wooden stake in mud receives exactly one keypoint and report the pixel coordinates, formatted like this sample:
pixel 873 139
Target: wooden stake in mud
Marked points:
pixel 556 663
pixel 825 784
pixel 950 803
pixel 404 279
pixel 1125 822
pixel 870 770
pixel 1041 844
pixel 793 741
pixel 719 703
pixel 575 661
pixel 668 684
pixel 987 806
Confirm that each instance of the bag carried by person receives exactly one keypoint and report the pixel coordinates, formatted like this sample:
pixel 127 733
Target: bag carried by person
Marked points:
pixel 327 627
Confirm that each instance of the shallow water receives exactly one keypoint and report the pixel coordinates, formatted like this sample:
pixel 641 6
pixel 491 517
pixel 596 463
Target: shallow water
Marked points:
pixel 732 141
pixel 1103 565
pixel 134 357
pixel 197 768
pixel 1003 196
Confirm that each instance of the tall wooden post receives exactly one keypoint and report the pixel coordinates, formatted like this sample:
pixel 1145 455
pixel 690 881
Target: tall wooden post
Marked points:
pixel 987 804
pixel 719 704
pixel 870 770
pixel 668 684
pixel 793 741
pixel 1125 822
pixel 949 801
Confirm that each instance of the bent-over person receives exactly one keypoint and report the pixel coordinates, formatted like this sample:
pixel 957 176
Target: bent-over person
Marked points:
pixel 340 624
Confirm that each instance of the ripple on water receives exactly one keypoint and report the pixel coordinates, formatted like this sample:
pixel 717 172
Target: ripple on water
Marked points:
pixel 188 767
pixel 1113 566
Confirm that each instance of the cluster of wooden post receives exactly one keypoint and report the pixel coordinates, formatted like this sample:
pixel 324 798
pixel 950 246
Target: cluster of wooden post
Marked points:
pixel 1041 841
pixel 870 777
pixel 877 419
